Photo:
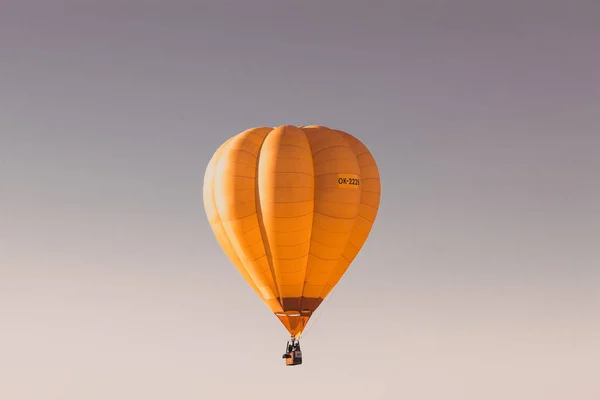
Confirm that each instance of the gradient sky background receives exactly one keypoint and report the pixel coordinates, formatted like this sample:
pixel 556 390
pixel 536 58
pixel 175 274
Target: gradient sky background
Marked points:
pixel 480 280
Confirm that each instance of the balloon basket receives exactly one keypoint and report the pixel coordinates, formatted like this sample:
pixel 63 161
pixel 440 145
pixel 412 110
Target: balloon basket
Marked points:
pixel 293 353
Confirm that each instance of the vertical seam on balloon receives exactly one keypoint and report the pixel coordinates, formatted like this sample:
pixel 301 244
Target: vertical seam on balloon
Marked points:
pixel 261 223
pixel 312 225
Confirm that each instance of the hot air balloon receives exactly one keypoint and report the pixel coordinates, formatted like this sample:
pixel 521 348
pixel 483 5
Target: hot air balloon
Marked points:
pixel 292 207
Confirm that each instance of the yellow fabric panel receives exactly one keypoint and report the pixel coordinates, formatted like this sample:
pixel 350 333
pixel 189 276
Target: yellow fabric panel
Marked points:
pixel 286 192
pixel 370 187
pixel 234 186
pixel 335 207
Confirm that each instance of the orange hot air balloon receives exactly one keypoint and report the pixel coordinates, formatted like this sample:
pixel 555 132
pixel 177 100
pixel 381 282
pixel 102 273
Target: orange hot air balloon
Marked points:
pixel 292 207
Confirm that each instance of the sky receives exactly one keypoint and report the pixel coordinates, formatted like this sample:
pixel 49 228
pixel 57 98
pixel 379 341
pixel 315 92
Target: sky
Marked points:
pixel 480 279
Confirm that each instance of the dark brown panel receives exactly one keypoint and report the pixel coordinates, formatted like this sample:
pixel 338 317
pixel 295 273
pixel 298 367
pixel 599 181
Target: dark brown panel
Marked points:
pixel 300 303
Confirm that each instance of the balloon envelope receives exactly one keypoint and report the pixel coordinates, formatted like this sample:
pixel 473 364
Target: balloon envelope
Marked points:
pixel 292 207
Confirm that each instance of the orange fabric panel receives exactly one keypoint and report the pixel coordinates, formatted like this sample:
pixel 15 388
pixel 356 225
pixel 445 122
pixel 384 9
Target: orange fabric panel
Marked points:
pixel 369 205
pixel 286 188
pixel 234 193
pixel 336 206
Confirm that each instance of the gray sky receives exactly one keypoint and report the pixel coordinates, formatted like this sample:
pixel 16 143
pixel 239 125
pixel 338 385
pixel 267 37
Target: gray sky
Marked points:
pixel 480 279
